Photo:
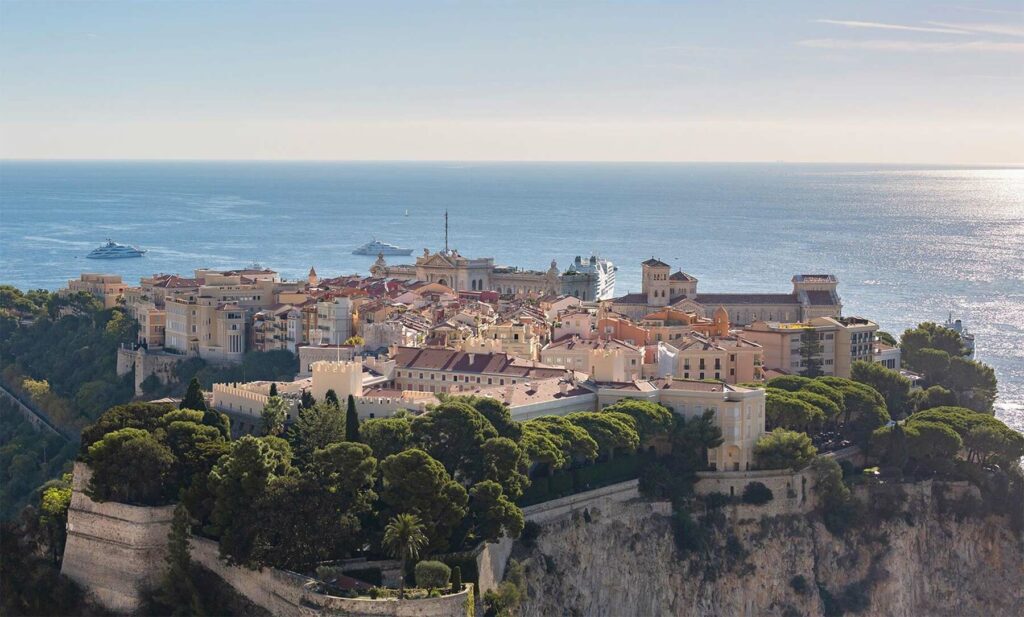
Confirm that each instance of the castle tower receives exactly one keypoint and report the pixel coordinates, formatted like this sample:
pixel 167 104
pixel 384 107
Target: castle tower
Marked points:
pixel 345 378
pixel 721 321
pixel 656 282
pixel 313 279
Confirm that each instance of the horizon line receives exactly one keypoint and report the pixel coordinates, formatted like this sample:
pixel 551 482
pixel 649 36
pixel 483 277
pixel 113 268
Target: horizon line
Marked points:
pixel 986 165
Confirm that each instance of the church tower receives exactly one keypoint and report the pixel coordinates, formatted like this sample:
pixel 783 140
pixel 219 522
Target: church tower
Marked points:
pixel 313 279
pixel 721 321
pixel 655 282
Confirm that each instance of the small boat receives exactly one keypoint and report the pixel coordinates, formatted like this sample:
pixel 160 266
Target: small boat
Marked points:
pixel 407 212
pixel 381 248
pixel 113 250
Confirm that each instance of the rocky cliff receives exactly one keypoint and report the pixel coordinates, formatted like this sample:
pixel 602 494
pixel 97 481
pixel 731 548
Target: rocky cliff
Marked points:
pixel 622 559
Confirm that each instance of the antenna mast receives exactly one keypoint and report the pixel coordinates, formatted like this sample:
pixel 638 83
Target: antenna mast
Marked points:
pixel 445 231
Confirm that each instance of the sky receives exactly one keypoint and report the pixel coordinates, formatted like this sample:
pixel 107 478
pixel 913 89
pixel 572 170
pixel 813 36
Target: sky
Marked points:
pixel 869 81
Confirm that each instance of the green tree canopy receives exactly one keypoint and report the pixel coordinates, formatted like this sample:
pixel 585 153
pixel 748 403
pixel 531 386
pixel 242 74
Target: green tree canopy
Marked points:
pixel 652 419
pixel 239 482
pixel 492 514
pixel 782 449
pixel 316 427
pixel 791 383
pixel 453 433
pixel 351 420
pixel 507 464
pixel 386 436
pixel 895 388
pixel 273 415
pixel 789 412
pixel 935 396
pixel 612 431
pixel 543 448
pixel 575 442
pixel 194 398
pixel 130 466
pixel 145 416
pixel 416 483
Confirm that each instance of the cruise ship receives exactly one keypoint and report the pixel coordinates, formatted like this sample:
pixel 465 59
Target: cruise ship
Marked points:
pixel 113 250
pixel 381 248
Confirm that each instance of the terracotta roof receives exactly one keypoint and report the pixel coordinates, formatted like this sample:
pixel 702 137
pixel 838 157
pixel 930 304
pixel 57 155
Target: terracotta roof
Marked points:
pixel 746 299
pixel 572 342
pixel 655 263
pixel 681 276
pixel 533 392
pixel 471 362
pixel 635 298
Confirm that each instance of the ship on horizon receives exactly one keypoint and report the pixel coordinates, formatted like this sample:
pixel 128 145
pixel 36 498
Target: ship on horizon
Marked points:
pixel 113 250
pixel 376 247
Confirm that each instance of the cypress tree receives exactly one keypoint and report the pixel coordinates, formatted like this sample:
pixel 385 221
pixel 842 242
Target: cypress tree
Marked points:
pixel 193 397
pixel 456 579
pixel 331 398
pixel 307 400
pixel 351 420
pixel 273 389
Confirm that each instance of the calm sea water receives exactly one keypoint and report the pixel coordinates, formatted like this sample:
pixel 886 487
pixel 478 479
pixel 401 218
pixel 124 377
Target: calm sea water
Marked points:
pixel 908 244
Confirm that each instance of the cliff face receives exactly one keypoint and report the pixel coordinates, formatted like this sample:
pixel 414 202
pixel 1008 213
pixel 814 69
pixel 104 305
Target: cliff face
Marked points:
pixel 622 560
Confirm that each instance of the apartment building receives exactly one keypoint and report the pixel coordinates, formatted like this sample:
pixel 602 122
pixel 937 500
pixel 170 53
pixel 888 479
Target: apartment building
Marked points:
pixel 107 288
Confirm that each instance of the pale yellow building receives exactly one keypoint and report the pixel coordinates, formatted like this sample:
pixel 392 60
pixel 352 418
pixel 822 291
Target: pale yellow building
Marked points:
pixel 602 359
pixel 107 288
pixel 843 341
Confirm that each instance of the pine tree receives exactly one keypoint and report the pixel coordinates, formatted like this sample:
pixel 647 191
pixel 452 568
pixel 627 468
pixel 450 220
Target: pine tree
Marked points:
pixel 810 353
pixel 194 398
pixel 331 398
pixel 177 590
pixel 351 420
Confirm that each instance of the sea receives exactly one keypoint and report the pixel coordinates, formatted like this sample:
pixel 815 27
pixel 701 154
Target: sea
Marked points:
pixel 908 243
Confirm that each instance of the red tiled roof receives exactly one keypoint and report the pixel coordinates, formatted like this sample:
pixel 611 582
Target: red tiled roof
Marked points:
pixel 746 299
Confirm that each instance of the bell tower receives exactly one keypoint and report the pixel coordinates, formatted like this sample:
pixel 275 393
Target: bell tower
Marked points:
pixel 655 282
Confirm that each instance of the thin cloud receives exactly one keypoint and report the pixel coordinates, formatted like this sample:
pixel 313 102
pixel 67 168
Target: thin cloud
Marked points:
pixel 881 26
pixel 1005 29
pixel 915 46
pixel 977 9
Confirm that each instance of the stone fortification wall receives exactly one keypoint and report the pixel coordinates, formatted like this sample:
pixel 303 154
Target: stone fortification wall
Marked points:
pixel 113 549
pixel 792 492
pixel 145 363
pixel 566 506
pixel 285 593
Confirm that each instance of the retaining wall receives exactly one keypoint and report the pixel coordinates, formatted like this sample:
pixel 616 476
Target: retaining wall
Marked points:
pixel 114 549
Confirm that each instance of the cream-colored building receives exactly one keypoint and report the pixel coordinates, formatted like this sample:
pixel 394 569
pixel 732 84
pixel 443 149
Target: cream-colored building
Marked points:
pixel 447 370
pixel 107 288
pixel 813 295
pixel 516 338
pixel 843 341
pixel 334 321
pixel 602 359
pixel 739 412
pixel 205 327
pixel 731 358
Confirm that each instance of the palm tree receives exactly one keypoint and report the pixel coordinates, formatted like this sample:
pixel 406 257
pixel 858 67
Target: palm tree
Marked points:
pixel 403 540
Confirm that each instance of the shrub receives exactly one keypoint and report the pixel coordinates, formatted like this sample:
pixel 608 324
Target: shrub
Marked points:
pixel 757 493
pixel 531 531
pixel 799 584
pixel 432 574
pixel 716 500
pixel 456 579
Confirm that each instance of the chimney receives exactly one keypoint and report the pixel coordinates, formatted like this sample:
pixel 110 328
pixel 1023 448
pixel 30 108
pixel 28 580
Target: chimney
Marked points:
pixel 509 389
pixel 472 356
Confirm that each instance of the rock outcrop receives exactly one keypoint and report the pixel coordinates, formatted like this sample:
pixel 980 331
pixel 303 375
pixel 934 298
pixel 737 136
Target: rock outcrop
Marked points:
pixel 621 559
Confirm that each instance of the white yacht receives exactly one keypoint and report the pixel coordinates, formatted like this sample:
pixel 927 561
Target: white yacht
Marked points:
pixel 377 247
pixel 113 250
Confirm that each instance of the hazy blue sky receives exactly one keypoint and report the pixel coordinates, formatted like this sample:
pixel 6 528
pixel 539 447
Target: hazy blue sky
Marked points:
pixel 869 81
